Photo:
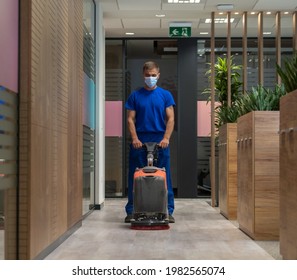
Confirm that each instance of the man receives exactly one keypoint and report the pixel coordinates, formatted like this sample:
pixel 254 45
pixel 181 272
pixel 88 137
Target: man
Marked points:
pixel 150 118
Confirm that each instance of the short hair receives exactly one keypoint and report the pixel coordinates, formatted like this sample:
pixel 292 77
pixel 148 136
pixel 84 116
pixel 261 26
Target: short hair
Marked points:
pixel 149 65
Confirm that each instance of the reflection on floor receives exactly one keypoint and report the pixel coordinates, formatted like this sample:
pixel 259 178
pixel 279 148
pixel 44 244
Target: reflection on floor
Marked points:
pixel 200 232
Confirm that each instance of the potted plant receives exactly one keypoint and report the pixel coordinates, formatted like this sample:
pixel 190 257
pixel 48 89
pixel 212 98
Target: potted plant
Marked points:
pixel 260 99
pixel 226 132
pixel 288 154
pixel 258 162
pixel 225 113
pixel 288 73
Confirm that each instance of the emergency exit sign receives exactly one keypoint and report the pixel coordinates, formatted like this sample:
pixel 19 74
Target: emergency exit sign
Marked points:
pixel 180 31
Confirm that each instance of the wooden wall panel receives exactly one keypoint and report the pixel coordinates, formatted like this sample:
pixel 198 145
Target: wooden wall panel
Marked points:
pixel 52 129
pixel 24 128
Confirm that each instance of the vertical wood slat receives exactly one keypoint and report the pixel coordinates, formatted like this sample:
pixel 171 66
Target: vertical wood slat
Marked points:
pixel 229 57
pixel 294 21
pixel 260 49
pixel 51 125
pixel 212 79
pixel 278 42
pixel 244 51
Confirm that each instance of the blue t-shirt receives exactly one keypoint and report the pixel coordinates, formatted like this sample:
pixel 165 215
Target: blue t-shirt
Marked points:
pixel 150 107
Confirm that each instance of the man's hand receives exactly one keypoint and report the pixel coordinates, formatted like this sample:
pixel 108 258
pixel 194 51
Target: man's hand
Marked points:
pixel 164 143
pixel 137 144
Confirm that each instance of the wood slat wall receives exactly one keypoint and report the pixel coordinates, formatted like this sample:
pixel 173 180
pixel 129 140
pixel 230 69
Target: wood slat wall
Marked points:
pixel 51 89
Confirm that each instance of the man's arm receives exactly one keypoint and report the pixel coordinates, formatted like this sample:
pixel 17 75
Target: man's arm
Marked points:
pixel 169 127
pixel 132 129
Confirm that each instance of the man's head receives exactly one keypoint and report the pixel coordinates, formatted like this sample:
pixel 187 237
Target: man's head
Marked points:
pixel 151 74
pixel 150 65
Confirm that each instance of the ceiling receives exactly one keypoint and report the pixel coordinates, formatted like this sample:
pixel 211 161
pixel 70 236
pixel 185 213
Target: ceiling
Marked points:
pixel 139 17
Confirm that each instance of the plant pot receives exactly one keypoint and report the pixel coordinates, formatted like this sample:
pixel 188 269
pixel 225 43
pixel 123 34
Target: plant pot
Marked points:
pixel 258 174
pixel 288 178
pixel 228 170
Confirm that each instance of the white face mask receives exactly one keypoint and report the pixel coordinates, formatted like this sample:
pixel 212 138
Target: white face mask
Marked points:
pixel 150 81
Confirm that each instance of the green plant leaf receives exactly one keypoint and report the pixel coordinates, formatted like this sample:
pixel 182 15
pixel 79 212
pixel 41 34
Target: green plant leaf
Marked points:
pixel 225 113
pixel 261 99
pixel 288 73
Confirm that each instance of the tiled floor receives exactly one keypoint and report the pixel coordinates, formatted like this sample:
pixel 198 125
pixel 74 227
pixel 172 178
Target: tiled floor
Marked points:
pixel 200 232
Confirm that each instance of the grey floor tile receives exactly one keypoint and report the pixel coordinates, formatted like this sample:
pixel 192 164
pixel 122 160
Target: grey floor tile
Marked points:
pixel 200 232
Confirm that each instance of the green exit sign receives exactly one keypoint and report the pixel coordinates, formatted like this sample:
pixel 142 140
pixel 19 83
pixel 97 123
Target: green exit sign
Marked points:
pixel 180 31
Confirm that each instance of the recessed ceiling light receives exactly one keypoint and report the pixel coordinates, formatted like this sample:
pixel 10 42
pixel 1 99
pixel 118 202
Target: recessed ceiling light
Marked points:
pixel 203 33
pixel 160 15
pixel 266 33
pixel 129 33
pixel 219 20
pixel 183 1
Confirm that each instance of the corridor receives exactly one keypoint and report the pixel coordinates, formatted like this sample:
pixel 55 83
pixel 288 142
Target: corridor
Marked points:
pixel 200 233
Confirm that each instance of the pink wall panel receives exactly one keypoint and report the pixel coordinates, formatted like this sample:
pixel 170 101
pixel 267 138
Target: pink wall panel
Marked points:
pixel 113 118
pixel 203 118
pixel 9 21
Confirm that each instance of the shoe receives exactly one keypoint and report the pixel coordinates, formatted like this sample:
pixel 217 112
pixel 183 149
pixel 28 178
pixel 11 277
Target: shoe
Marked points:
pixel 128 218
pixel 171 219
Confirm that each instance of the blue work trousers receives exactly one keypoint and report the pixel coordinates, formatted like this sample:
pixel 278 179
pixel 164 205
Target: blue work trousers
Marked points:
pixel 137 158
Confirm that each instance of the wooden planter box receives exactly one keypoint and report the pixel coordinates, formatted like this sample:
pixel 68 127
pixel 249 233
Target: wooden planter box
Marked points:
pixel 288 177
pixel 228 170
pixel 258 174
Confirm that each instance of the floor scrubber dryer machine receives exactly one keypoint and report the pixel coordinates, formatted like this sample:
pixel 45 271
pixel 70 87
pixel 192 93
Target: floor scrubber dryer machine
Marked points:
pixel 150 194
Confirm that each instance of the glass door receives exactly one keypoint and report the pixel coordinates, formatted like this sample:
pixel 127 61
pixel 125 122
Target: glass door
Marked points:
pixel 115 80
pixel 88 105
